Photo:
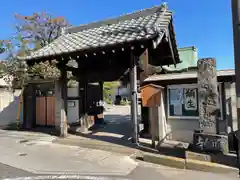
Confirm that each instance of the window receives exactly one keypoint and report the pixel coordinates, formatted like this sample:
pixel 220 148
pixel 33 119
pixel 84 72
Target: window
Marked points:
pixel 183 101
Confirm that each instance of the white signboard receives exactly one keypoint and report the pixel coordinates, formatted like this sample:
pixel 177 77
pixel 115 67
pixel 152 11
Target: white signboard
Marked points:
pixel 190 99
pixel 178 109
pixel 176 96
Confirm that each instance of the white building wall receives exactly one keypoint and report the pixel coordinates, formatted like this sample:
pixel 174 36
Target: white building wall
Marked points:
pixel 231 109
pixel 9 101
pixel 73 106
pixel 122 91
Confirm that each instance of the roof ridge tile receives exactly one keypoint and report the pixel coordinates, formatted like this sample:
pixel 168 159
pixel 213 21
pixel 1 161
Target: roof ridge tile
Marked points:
pixel 115 20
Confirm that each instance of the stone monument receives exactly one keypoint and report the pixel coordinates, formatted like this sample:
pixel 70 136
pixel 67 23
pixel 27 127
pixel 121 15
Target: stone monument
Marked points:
pixel 208 95
pixel 207 137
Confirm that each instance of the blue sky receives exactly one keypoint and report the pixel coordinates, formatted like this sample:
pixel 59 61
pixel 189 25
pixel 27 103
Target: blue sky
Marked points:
pixel 205 24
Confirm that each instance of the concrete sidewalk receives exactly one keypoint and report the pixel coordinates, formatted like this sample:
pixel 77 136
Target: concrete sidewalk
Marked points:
pixel 72 140
pixel 60 159
pixel 155 157
pixel 29 137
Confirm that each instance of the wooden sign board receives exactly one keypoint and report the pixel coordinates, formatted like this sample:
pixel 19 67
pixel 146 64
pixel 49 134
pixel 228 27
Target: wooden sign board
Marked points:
pixel 143 62
pixel 151 95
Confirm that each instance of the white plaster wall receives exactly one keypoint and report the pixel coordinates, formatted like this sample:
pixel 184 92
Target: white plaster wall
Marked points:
pixel 230 92
pixel 182 129
pixel 8 106
pixel 125 91
pixel 73 110
pixel 231 111
pixel 73 92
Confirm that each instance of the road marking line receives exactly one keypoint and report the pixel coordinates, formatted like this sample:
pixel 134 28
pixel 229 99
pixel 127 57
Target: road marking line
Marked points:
pixel 66 177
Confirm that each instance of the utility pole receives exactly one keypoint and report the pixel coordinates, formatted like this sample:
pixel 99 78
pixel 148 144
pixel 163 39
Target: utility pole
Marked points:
pixel 236 38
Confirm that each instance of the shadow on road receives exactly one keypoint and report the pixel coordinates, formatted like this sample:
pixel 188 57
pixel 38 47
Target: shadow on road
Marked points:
pixel 117 131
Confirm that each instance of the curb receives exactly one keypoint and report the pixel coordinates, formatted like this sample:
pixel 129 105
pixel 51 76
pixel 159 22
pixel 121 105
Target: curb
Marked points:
pixel 67 177
pixel 188 164
pixel 164 160
pixel 69 172
pixel 209 167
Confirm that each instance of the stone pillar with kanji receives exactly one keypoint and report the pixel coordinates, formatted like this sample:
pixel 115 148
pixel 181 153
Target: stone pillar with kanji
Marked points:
pixel 207 137
pixel 208 95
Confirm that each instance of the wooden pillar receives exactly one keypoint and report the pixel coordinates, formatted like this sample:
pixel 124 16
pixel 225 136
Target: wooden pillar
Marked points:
pixel 34 96
pixel 101 90
pixel 79 101
pixel 101 100
pixel 162 122
pixel 134 105
pixel 153 118
pixel 64 104
pixel 84 119
pixel 29 106
pixel 85 97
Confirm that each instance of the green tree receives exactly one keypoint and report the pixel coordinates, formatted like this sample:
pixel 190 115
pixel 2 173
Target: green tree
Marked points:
pixel 108 89
pixel 32 32
pixel 39 29
pixel 12 70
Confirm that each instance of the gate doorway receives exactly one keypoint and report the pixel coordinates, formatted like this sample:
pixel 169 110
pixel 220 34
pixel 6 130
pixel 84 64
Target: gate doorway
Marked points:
pixel 45 105
pixel 39 105
pixel 45 111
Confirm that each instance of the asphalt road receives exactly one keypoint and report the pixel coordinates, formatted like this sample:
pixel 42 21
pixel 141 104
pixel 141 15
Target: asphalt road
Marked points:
pixel 10 172
pixel 151 172
pixel 142 172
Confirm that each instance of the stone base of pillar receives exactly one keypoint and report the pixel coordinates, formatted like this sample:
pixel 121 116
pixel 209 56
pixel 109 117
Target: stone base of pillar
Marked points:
pixel 82 129
pixel 61 131
pixel 207 142
pixel 86 122
pixel 64 131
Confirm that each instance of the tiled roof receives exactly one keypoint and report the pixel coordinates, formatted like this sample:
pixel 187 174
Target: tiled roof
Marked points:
pixel 186 75
pixel 142 25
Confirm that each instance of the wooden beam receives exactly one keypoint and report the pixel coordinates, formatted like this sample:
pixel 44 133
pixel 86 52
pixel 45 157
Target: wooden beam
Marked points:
pixel 98 51
pixel 111 75
pixel 101 99
pixel 143 62
pixel 171 48
pixel 157 41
